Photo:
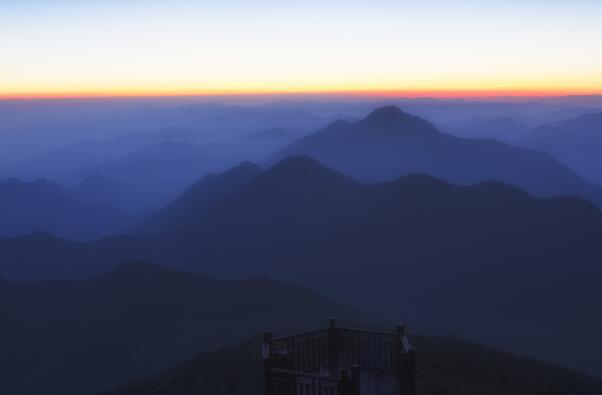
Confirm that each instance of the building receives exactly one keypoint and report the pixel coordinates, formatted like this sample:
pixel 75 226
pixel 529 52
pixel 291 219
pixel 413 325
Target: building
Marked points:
pixel 339 361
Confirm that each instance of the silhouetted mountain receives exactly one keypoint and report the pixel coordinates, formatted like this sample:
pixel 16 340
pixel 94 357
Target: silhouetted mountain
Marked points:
pixel 68 163
pixel 77 337
pixel 485 261
pixel 389 143
pixel 576 142
pixel 199 197
pixel 445 366
pixel 257 145
pixel 488 261
pixel 40 255
pixel 159 172
pixel 41 126
pixel 41 205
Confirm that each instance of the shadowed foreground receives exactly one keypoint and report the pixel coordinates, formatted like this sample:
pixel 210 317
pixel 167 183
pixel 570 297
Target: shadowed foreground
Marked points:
pixel 445 366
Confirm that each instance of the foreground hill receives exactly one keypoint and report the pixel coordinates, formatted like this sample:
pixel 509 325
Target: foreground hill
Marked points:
pixel 576 142
pixel 445 367
pixel 26 207
pixel 389 143
pixel 77 337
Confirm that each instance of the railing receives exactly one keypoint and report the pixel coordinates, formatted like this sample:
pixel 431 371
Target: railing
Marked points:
pixel 307 352
pixel 334 360
pixel 291 382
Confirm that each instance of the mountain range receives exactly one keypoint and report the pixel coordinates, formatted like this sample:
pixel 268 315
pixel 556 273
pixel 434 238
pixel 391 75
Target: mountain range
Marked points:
pixel 489 261
pixel 201 196
pixel 389 143
pixel 478 257
pixel 26 207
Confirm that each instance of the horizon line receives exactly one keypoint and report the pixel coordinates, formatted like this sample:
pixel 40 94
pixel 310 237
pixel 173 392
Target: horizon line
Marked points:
pixel 397 93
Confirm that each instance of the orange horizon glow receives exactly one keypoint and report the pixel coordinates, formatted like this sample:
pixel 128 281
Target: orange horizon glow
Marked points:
pixel 414 93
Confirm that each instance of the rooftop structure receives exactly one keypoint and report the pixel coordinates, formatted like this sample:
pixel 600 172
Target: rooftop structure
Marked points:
pixel 339 361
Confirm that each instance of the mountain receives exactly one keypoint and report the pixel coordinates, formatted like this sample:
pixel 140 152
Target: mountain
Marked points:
pixel 149 168
pixel 41 205
pixel 157 173
pixel 389 143
pixel 134 321
pixel 488 262
pixel 52 124
pixel 576 142
pixel 66 163
pixel 199 197
pixel 40 255
pixel 445 366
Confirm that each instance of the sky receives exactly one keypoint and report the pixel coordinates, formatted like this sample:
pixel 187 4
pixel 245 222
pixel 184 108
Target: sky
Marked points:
pixel 428 47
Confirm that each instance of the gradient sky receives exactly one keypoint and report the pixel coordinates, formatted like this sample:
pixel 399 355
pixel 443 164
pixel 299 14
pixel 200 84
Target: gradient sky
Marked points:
pixel 77 47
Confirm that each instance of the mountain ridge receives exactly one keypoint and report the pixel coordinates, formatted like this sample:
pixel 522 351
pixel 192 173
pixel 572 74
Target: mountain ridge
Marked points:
pixel 42 205
pixel 396 248
pixel 389 143
pixel 576 141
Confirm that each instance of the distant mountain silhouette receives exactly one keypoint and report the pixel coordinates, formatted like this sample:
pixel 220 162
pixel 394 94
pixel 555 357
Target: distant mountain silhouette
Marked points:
pixel 576 142
pixel 487 261
pixel 445 367
pixel 389 143
pixel 78 337
pixel 41 205
pixel 69 163
pixel 159 172
pixel 200 196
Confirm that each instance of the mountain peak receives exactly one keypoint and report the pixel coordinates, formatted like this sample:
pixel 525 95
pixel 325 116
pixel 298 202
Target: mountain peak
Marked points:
pixel 299 162
pixel 303 169
pixel 387 113
pixel 392 118
pixel 340 123
pixel 245 166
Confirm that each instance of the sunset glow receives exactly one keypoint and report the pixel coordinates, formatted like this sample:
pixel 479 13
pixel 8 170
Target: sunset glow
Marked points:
pixel 137 48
